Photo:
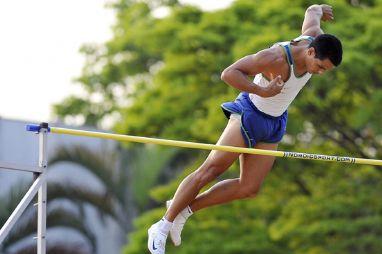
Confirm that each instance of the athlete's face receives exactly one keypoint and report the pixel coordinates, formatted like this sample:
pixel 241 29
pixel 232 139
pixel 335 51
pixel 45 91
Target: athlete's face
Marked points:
pixel 317 66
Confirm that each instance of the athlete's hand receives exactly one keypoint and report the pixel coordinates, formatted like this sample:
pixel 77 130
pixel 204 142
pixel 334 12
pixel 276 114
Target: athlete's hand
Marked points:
pixel 274 87
pixel 327 12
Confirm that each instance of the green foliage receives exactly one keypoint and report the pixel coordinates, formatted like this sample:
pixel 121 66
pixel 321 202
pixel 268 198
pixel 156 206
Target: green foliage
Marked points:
pixel 161 77
pixel 344 219
pixel 146 165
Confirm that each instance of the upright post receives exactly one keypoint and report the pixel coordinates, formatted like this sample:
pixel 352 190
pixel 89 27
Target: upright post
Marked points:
pixel 42 192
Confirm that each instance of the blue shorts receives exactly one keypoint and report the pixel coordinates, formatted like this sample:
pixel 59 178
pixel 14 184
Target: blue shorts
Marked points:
pixel 256 126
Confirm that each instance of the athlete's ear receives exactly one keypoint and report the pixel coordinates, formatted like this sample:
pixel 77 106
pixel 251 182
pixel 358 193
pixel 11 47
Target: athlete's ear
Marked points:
pixel 311 52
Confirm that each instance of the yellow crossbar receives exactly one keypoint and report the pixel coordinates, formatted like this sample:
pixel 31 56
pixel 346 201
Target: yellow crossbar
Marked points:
pixel 185 144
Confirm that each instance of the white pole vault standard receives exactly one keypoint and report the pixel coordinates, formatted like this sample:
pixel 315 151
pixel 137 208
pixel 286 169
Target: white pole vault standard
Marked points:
pixel 39 185
pixel 42 192
pixel 185 144
pixel 21 207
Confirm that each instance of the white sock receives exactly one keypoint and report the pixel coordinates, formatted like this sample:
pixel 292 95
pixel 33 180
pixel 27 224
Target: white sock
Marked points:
pixel 164 226
pixel 187 212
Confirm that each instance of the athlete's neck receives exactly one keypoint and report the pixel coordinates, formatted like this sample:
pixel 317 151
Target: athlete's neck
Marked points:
pixel 298 55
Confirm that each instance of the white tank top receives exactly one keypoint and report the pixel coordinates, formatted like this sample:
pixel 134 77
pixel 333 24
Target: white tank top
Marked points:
pixel 277 105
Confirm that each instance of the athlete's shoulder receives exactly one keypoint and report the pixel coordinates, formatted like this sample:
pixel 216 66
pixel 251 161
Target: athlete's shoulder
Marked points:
pixel 268 56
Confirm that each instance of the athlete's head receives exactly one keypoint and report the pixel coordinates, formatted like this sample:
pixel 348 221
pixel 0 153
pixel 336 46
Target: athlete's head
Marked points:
pixel 324 53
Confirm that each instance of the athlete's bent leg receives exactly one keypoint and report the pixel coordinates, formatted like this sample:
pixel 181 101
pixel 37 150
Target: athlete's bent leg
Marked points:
pixel 216 163
pixel 253 169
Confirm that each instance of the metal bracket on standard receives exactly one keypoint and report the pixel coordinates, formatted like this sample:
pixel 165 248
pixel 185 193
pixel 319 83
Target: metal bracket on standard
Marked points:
pixel 36 128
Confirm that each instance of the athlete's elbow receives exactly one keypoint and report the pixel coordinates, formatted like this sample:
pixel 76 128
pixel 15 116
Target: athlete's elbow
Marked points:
pixel 226 74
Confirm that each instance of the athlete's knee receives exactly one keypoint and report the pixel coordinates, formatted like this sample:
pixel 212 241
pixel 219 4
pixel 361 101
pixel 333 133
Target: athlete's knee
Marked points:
pixel 249 191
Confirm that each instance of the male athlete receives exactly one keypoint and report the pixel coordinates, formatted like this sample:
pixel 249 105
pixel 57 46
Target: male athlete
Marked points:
pixel 257 118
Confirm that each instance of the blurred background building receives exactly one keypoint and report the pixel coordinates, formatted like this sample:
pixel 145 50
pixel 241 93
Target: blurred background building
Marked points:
pixel 21 147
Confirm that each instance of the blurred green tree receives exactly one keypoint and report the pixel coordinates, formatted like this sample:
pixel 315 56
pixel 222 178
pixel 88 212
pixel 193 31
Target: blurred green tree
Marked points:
pixel 161 77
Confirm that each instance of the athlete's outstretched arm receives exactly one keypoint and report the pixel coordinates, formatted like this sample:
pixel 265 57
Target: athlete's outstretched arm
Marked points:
pixel 313 16
pixel 236 75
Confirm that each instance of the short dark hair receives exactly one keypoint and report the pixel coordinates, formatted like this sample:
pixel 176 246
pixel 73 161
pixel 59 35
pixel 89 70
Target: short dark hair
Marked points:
pixel 328 46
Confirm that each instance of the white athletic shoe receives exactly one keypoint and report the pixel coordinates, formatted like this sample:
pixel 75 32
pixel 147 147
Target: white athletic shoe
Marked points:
pixel 178 224
pixel 157 240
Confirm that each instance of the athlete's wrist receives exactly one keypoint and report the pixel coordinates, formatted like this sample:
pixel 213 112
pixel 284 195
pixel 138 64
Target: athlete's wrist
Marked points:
pixel 256 89
pixel 316 9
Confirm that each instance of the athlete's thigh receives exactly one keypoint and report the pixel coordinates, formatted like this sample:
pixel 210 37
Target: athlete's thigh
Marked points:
pixel 231 136
pixel 254 168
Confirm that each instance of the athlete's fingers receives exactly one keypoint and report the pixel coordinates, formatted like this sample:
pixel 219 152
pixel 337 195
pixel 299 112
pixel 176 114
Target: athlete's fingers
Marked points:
pixel 326 6
pixel 279 80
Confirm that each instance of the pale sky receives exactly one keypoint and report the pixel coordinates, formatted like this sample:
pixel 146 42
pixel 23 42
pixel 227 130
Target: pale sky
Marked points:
pixel 39 50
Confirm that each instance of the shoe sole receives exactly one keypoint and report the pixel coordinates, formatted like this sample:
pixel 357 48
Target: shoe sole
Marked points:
pixel 149 242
